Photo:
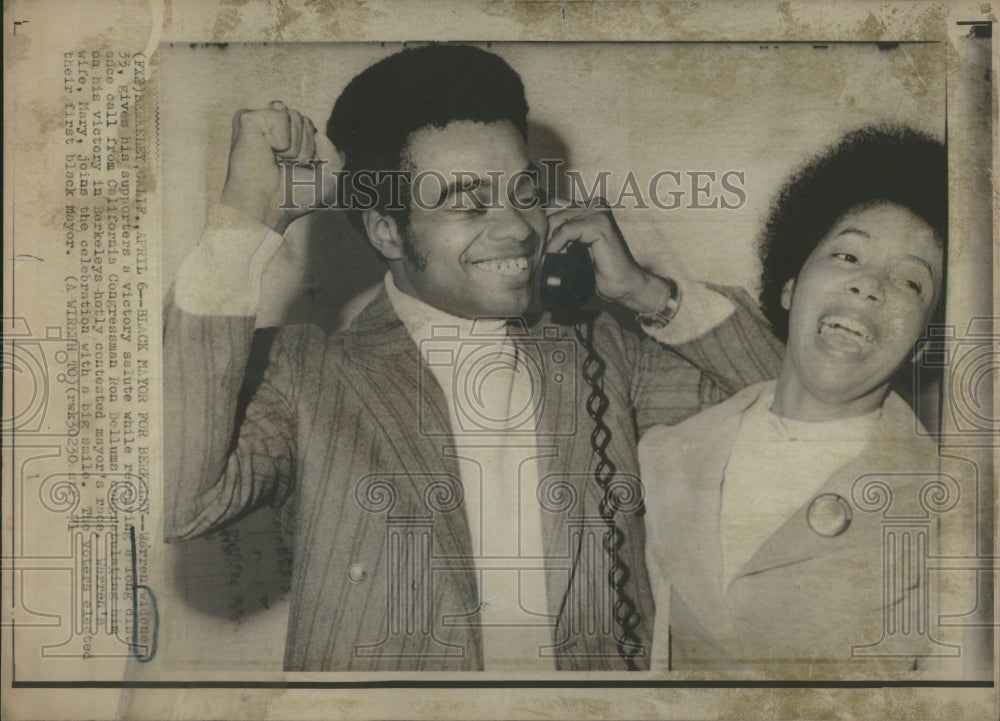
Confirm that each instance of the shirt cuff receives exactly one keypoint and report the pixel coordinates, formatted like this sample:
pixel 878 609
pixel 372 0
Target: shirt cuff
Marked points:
pixel 222 275
pixel 701 310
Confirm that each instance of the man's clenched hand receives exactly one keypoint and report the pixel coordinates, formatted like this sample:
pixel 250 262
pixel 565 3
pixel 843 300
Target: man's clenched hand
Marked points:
pixel 261 140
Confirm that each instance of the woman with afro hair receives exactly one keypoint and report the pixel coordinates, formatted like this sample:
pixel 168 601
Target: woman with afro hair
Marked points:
pixel 760 549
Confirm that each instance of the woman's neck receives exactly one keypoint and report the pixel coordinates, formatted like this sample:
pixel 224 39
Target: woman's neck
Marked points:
pixel 794 399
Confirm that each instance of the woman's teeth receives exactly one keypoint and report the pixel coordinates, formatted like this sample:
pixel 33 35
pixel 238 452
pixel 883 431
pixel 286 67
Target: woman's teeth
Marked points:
pixel 832 323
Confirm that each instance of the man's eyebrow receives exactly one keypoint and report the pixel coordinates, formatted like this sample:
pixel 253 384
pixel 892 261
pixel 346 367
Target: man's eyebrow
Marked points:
pixel 469 183
pixel 530 174
pixel 856 231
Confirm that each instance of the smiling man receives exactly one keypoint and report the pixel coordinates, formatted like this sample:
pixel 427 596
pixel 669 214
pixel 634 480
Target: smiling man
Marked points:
pixel 445 251
pixel 456 473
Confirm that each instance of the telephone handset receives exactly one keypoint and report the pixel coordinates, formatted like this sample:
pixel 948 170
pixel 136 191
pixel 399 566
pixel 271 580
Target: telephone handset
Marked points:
pixel 567 279
pixel 567 283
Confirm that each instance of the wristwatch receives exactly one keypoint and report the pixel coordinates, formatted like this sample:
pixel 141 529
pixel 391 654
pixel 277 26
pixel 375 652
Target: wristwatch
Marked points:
pixel 660 318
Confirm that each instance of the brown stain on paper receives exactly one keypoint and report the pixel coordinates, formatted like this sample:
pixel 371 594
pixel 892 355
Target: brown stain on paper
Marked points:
pixel 344 22
pixel 287 21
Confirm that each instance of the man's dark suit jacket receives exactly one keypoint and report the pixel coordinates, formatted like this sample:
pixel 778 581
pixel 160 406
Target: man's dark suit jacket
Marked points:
pixel 350 441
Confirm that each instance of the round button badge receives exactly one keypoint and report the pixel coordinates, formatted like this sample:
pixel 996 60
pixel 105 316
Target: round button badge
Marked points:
pixel 829 515
pixel 357 573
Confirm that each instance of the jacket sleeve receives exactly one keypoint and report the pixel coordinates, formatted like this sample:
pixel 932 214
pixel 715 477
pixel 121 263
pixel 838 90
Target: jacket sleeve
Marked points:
pixel 229 447
pixel 673 383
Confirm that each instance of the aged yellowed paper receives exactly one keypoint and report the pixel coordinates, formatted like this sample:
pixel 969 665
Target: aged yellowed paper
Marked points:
pixel 208 517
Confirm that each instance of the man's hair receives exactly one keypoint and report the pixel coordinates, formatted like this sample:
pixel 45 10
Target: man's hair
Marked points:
pixel 870 166
pixel 429 86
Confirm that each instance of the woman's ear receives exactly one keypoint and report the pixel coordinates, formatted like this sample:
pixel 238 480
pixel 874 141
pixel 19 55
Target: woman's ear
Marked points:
pixel 383 233
pixel 786 294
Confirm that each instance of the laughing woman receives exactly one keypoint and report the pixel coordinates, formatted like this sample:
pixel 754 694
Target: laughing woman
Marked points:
pixel 759 554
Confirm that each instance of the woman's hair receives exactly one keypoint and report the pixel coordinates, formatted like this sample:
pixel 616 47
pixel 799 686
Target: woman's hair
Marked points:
pixel 870 166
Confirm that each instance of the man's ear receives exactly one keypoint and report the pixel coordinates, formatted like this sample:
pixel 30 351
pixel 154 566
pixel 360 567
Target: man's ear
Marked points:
pixel 919 349
pixel 786 294
pixel 383 233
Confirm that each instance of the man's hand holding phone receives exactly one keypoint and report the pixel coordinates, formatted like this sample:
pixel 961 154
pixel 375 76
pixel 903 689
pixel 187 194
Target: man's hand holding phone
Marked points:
pixel 620 279
pixel 262 139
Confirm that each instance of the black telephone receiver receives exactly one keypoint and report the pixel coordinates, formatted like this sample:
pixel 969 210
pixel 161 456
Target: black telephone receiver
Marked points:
pixel 567 279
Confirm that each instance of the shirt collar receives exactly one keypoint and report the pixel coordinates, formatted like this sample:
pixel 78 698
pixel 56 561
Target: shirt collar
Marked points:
pixel 421 319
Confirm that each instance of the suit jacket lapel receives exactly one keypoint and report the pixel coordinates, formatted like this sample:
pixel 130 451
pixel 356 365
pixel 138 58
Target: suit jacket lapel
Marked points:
pixel 796 542
pixel 694 457
pixel 561 491
pixel 570 499
pixel 697 534
pixel 379 343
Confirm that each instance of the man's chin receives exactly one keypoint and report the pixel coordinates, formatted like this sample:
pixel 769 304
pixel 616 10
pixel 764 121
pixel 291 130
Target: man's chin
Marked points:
pixel 506 307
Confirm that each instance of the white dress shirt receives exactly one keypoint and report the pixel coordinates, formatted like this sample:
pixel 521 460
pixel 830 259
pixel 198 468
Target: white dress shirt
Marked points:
pixel 490 406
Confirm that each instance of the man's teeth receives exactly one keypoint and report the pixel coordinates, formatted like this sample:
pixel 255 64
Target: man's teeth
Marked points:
pixel 835 322
pixel 506 266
